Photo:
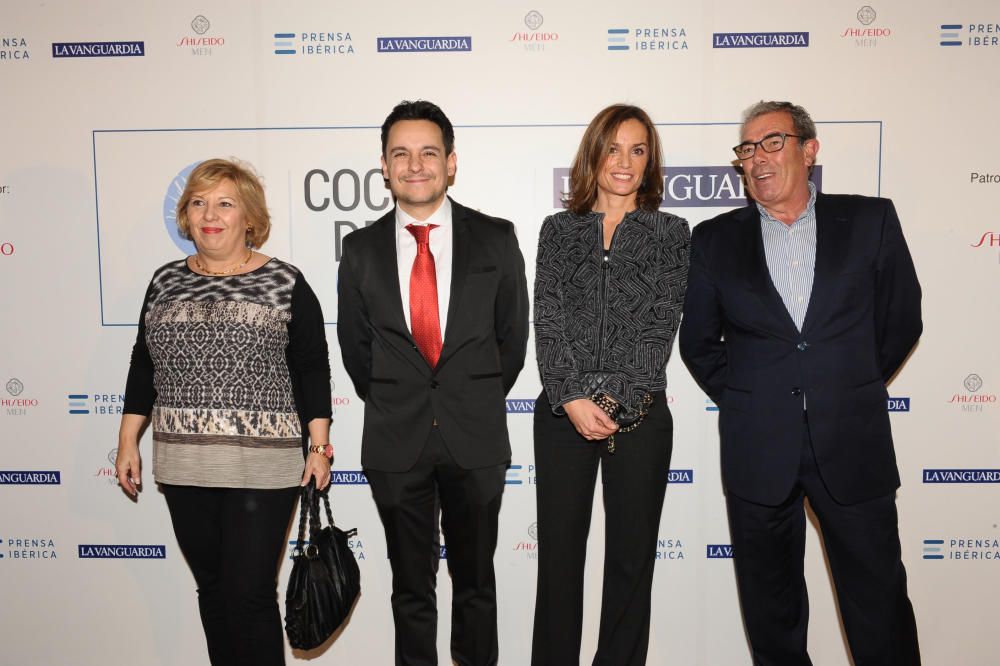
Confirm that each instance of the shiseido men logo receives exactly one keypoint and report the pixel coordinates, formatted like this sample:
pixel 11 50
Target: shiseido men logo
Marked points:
pixel 719 551
pixel 689 186
pixel 961 476
pixel 98 49
pixel 757 40
pixel 200 44
pixel 174 191
pixel 200 24
pixel 322 43
pixel 14 48
pixel 651 38
pixel 86 551
pixel 16 405
pixel 972 400
pixel 869 35
pixel 30 478
pixel 989 239
pixel 107 472
pixel 416 44
pixel 973 383
pixel 529 548
pixel 534 39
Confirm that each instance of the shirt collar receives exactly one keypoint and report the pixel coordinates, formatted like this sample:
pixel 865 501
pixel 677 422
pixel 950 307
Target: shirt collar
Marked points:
pixel 808 213
pixel 440 217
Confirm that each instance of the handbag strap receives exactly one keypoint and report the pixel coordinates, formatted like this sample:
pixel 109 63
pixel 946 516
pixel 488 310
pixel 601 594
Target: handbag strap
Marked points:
pixel 303 520
pixel 309 516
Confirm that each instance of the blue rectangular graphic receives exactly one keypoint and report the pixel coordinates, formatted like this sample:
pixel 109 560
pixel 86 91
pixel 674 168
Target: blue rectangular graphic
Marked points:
pixel 961 476
pixel 78 403
pixel 759 40
pixel 899 404
pixel 418 44
pixel 616 39
pixel 348 477
pixel 514 475
pixel 283 44
pixel 950 35
pixel 98 49
pixel 719 551
pixel 680 476
pixel 933 548
pixel 87 551
pixel 30 478
pixel 520 406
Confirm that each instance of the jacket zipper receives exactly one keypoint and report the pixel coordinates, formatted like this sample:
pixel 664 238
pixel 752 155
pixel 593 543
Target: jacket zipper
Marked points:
pixel 605 271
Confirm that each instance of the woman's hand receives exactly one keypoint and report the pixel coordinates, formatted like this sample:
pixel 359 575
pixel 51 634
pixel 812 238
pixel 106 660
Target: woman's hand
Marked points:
pixel 128 467
pixel 589 419
pixel 317 467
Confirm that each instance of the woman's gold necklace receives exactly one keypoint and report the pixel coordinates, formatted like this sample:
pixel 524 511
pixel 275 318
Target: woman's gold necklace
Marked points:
pixel 197 263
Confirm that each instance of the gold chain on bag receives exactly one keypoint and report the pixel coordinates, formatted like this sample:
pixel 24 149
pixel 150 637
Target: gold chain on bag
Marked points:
pixel 611 408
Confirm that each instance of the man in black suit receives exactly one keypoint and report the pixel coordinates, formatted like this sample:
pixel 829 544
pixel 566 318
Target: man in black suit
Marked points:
pixel 433 328
pixel 800 308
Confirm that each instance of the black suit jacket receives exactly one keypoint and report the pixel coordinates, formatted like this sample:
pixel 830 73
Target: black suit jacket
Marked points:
pixel 486 337
pixel 742 347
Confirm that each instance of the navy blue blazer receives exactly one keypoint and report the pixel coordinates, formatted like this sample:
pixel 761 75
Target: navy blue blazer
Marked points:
pixel 740 344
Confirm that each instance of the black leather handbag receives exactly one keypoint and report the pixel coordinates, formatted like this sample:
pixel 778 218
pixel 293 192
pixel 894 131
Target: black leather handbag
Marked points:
pixel 325 579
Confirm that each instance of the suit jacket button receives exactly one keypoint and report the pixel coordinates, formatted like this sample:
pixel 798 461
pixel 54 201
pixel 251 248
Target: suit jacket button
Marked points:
pixel 802 346
pixel 796 391
pixel 434 384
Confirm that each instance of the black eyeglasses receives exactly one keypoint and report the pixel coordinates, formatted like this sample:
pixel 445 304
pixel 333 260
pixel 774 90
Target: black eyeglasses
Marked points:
pixel 771 143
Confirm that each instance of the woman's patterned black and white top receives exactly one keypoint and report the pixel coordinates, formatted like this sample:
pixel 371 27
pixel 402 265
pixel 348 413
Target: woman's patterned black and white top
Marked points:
pixel 230 368
pixel 607 323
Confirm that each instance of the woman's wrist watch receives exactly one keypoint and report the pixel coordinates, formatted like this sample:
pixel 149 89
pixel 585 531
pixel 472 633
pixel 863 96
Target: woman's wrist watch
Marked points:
pixel 325 449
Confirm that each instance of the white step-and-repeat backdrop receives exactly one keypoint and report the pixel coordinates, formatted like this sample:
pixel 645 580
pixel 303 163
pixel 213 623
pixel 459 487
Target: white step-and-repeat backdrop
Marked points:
pixel 107 105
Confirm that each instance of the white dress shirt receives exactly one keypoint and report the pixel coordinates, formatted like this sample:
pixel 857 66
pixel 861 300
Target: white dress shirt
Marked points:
pixel 441 247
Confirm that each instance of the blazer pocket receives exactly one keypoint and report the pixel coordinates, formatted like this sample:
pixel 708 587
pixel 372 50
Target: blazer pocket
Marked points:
pixel 486 375
pixel 382 380
pixel 482 269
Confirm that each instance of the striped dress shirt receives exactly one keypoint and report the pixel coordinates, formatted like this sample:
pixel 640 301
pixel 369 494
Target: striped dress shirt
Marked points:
pixel 790 251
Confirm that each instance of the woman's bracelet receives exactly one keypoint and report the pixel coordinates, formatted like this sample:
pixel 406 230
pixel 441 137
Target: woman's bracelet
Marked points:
pixel 325 449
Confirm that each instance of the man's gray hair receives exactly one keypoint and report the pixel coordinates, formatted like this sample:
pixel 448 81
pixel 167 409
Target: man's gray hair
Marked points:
pixel 804 125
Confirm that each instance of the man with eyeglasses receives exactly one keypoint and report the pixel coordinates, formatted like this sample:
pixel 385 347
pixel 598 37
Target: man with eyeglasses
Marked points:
pixel 800 308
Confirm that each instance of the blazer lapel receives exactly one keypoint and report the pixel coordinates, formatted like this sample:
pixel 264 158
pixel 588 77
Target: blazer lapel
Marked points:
pixel 758 275
pixel 831 249
pixel 386 272
pixel 459 269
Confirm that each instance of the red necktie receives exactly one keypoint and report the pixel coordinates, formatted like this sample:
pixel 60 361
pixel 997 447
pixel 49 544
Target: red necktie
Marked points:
pixel 424 319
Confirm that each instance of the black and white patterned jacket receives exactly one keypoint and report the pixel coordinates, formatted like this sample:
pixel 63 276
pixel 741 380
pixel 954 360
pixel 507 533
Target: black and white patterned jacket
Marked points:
pixel 607 324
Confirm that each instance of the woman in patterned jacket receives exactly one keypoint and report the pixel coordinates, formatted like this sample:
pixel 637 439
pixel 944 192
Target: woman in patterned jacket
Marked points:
pixel 609 285
pixel 230 365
